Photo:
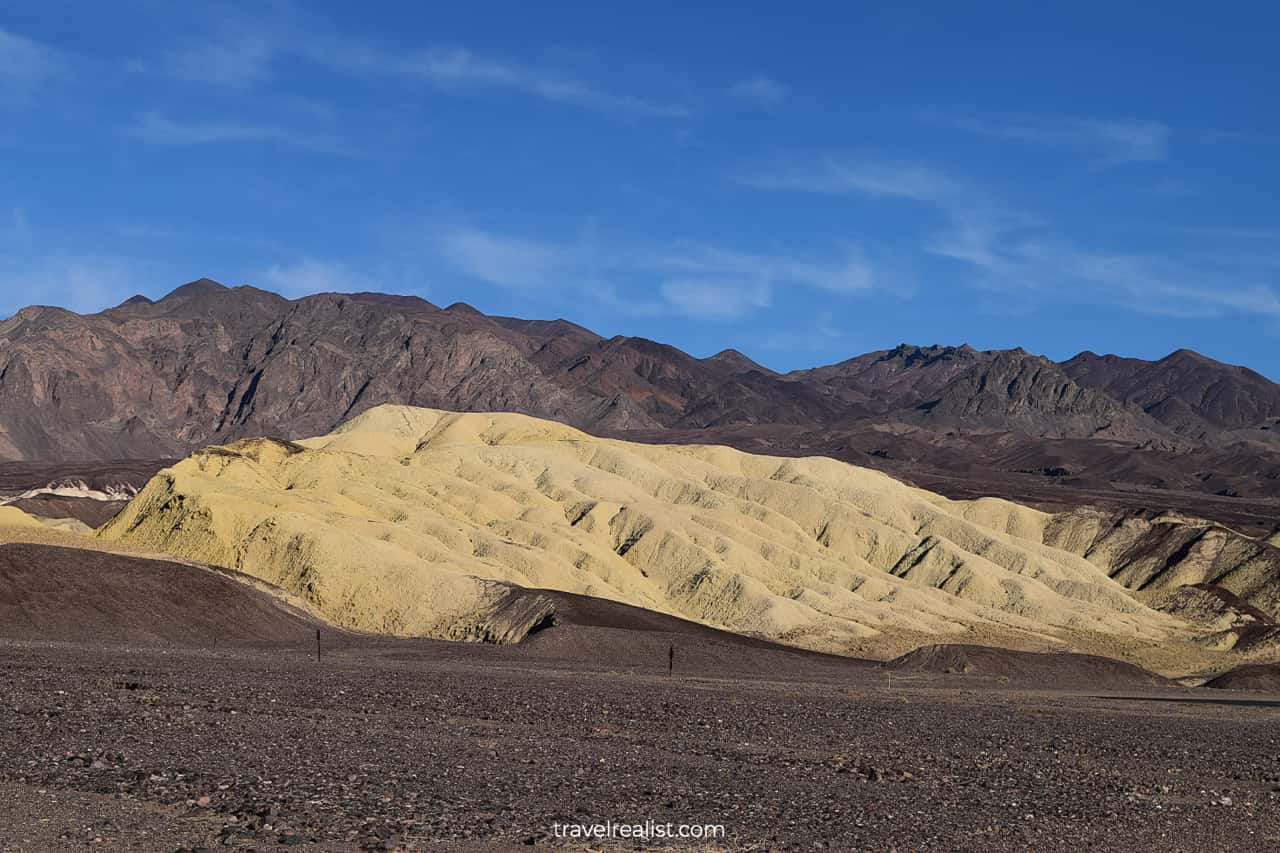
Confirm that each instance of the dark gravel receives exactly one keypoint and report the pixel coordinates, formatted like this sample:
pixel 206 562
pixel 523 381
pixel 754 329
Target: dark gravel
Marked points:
pixel 458 748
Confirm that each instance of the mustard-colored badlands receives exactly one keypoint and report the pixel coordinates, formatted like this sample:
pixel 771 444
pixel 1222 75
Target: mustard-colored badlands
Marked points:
pixel 402 520
pixel 13 518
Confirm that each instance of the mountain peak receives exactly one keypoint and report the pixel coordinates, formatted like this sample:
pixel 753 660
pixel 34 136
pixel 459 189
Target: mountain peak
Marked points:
pixel 1185 354
pixel 464 309
pixel 193 289
pixel 912 355
pixel 735 359
pixel 392 300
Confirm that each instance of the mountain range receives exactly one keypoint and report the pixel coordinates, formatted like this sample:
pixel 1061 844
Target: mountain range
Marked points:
pixel 209 364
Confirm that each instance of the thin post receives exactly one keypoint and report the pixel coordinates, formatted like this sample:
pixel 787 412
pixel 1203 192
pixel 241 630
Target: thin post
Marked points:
pixel 671 660
pixel 317 645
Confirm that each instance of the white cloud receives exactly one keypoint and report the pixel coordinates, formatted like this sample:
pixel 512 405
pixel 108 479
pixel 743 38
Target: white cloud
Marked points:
pixel 696 279
pixel 25 63
pixel 237 58
pixel 760 90
pixel 836 176
pixel 851 273
pixel 1015 253
pixel 708 300
pixel 1107 142
pixel 457 68
pixel 504 260
pixel 823 336
pixel 82 284
pixel 1150 284
pixel 1057 270
pixel 21 226
pixel 244 52
pixel 311 275
pixel 1230 233
pixel 160 130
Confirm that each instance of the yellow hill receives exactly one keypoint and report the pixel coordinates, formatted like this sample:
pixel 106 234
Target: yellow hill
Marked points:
pixel 402 520
pixel 12 517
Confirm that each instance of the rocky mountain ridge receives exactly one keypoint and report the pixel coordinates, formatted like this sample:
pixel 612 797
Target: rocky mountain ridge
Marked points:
pixel 209 364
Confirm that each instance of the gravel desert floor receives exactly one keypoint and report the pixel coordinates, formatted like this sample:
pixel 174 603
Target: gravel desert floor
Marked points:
pixel 417 745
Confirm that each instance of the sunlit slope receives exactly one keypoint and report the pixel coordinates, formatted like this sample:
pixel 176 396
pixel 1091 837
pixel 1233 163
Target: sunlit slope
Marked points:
pixel 12 517
pixel 394 522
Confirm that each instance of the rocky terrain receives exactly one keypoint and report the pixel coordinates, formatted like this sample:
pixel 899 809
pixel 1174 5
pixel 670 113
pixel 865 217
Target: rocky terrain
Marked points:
pixel 155 705
pixel 209 364
pixel 477 748
pixel 221 729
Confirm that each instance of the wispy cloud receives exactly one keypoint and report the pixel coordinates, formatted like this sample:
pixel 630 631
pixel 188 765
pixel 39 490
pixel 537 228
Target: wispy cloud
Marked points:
pixel 82 283
pixel 760 90
pixel 830 175
pixel 238 57
pixel 244 52
pixel 456 69
pixel 505 260
pixel 1014 252
pixel 21 226
pixel 154 234
pixel 694 279
pixel 852 272
pixel 1106 142
pixel 716 300
pixel 1057 270
pixel 824 335
pixel 313 275
pixel 26 63
pixel 158 129
pixel 1219 233
pixel 1242 137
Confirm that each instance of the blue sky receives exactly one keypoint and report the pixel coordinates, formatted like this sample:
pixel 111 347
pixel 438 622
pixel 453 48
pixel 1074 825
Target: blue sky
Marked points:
pixel 801 182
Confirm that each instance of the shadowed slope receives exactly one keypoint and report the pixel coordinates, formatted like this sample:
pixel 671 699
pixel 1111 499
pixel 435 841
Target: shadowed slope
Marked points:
pixel 1157 554
pixel 77 595
pixel 1265 677
pixel 1027 668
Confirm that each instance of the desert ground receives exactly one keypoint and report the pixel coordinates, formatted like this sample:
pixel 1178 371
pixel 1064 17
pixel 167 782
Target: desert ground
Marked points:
pixel 385 745
pixel 158 706
pixel 196 676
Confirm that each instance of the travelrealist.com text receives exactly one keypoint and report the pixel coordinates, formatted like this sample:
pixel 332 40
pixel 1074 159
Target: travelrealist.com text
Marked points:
pixel 644 831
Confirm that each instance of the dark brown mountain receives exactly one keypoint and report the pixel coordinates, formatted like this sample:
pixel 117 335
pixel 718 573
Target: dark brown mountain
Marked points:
pixel 998 390
pixel 883 381
pixel 1191 394
pixel 1035 396
pixel 209 364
